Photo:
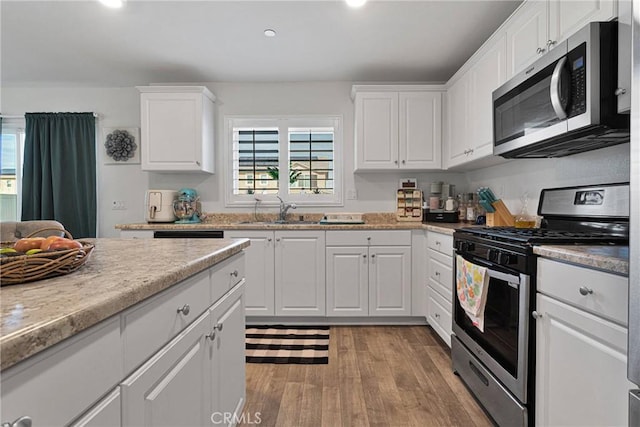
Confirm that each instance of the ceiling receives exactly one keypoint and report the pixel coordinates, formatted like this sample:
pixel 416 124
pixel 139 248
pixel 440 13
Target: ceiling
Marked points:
pixel 82 43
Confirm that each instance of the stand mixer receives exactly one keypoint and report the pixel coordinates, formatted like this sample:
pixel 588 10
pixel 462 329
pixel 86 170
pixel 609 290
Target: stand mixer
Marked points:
pixel 186 206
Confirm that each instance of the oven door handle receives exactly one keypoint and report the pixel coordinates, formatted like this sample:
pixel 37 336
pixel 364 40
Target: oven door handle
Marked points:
pixel 512 280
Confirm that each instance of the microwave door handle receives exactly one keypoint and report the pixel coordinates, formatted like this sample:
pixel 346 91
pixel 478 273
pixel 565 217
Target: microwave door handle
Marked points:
pixel 554 89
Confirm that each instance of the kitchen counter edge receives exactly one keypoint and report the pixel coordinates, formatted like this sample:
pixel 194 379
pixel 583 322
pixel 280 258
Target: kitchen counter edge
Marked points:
pixel 611 259
pixel 38 315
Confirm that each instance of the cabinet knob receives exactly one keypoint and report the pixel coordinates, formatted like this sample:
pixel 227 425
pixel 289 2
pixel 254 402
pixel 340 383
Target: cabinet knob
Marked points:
pixel 373 255
pixel 550 43
pixel 211 335
pixel 540 50
pixel 438 243
pixel 437 273
pixel 395 161
pixel 585 291
pixel 234 273
pixel 20 422
pixel 278 239
pixel 368 239
pixel 218 327
pixel 536 315
pixel 437 315
pixel 269 239
pixel 403 162
pixel 620 91
pixel 185 309
pixel 197 163
pixel 364 255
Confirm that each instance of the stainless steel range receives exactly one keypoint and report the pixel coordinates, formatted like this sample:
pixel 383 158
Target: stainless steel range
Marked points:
pixel 498 364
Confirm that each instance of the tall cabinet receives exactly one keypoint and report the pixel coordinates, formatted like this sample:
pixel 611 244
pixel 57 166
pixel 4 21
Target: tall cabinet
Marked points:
pixel 398 127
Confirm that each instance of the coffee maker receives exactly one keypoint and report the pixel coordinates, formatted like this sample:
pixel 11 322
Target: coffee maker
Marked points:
pixel 187 206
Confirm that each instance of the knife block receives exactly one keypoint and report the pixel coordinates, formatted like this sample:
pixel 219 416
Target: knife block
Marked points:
pixel 502 217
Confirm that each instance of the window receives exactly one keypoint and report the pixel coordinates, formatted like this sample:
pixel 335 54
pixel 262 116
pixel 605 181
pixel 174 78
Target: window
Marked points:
pixel 295 158
pixel 11 149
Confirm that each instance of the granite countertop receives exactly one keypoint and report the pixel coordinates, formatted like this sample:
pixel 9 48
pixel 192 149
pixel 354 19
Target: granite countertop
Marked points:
pixel 118 274
pixel 613 259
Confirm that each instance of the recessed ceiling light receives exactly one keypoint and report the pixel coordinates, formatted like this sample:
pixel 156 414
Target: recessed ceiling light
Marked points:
pixel 115 4
pixel 269 32
pixel 356 3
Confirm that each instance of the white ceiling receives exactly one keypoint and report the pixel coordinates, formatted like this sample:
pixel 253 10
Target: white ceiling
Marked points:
pixel 83 43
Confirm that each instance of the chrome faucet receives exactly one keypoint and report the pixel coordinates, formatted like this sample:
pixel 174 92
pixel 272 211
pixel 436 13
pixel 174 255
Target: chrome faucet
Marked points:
pixel 284 208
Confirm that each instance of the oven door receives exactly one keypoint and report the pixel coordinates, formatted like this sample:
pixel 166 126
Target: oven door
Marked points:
pixel 503 346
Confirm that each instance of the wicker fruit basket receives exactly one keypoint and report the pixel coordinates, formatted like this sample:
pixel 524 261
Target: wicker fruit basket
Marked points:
pixel 42 265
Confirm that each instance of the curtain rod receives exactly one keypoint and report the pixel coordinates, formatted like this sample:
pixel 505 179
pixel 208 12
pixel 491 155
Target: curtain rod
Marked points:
pixel 2 116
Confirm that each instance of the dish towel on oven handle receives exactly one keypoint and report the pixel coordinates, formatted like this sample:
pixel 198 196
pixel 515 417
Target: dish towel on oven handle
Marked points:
pixel 472 286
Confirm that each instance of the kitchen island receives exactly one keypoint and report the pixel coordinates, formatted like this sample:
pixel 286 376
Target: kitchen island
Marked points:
pixel 65 341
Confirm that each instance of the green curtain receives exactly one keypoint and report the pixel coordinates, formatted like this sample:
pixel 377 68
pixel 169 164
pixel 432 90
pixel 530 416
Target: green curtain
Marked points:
pixel 59 170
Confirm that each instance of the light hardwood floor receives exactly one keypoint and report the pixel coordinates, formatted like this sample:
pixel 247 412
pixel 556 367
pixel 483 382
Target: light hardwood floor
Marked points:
pixel 376 376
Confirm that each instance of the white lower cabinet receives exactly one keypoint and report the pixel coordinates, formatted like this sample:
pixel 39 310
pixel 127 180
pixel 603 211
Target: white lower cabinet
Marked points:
pixel 439 284
pixel 347 281
pixel 581 346
pixel 259 294
pixel 581 361
pixel 299 273
pixel 173 388
pixel 366 277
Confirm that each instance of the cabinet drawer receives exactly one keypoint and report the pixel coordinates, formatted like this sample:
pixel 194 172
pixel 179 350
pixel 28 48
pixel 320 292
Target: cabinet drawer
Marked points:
pixel 440 268
pixel 152 323
pixel 439 315
pixel 57 385
pixel 444 291
pixel 440 242
pixel 606 294
pixel 368 237
pixel 225 275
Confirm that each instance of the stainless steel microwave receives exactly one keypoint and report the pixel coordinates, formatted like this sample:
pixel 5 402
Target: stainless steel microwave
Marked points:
pixel 565 103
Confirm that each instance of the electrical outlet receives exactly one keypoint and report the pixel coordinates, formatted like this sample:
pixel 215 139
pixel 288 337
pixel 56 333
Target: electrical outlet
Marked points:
pixel 119 205
pixel 352 194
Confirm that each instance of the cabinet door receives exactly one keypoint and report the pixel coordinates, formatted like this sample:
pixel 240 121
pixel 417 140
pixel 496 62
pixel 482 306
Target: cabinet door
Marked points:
pixel 567 17
pixel 581 361
pixel 228 373
pixel 486 76
pixel 376 130
pixel 389 281
pixel 625 15
pixel 457 120
pixel 527 36
pixel 300 273
pixel 105 413
pixel 347 281
pixel 172 388
pixel 420 130
pixel 259 293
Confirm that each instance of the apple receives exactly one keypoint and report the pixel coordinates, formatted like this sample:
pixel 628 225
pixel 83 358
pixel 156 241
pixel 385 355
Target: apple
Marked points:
pixel 26 243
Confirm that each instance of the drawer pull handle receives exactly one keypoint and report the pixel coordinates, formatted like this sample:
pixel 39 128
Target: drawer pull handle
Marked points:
pixel 234 273
pixel 437 273
pixel 20 422
pixel 218 326
pixel 211 335
pixel 585 291
pixel 536 315
pixel 437 242
pixel 185 309
pixel 437 315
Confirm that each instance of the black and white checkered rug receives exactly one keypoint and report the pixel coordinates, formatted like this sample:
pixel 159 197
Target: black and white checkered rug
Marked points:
pixel 307 345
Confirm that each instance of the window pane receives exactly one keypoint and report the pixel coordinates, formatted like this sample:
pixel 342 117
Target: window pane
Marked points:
pixel 255 160
pixel 311 152
pixel 8 178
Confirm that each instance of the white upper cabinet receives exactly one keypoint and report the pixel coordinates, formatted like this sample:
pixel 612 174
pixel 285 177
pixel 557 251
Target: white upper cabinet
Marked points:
pixel 470 106
pixel 625 15
pixel 177 128
pixel 397 129
pixel 526 36
pixel 539 25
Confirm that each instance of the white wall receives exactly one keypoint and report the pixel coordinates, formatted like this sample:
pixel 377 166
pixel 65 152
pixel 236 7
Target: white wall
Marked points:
pixel 119 107
pixel 513 179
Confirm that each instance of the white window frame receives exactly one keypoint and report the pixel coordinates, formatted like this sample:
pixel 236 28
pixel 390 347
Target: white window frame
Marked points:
pixel 16 126
pixel 283 123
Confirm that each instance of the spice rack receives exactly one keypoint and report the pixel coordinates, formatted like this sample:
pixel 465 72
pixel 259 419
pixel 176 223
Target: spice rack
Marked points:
pixel 409 205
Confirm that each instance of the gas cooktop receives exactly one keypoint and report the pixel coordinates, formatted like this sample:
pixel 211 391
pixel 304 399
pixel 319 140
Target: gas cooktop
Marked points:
pixel 536 236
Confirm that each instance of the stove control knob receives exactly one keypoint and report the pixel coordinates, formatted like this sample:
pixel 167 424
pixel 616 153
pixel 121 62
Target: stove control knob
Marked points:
pixel 492 254
pixel 505 259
